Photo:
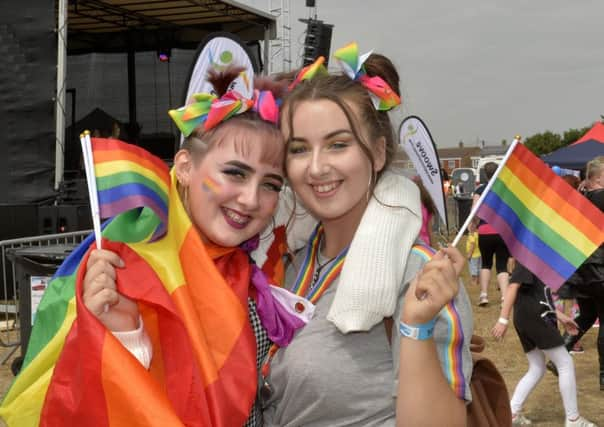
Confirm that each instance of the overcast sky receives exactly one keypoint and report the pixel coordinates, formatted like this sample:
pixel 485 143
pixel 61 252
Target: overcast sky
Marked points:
pixel 479 69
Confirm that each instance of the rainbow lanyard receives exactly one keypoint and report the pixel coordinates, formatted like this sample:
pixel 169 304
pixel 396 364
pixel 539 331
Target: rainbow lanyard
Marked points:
pixel 305 286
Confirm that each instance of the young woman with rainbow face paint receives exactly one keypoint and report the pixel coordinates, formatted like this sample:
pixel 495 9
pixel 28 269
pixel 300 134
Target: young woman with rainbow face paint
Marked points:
pixel 229 174
pixel 349 365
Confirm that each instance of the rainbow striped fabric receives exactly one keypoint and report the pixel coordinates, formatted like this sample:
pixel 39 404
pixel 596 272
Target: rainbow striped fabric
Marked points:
pixel 546 224
pixel 203 371
pixel 129 177
pixel 452 354
pixel 383 97
pixel 303 285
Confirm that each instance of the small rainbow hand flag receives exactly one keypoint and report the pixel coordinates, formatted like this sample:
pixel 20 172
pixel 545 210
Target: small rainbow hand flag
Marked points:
pixel 129 177
pixel 547 225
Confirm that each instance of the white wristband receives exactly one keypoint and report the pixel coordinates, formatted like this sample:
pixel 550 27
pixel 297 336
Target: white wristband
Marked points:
pixel 503 321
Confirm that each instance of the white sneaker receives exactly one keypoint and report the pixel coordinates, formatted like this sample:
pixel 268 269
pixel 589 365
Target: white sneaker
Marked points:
pixel 483 300
pixel 520 420
pixel 579 422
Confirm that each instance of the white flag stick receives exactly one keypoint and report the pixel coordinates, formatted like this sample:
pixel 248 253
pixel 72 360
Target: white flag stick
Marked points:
pixel 465 225
pixel 92 190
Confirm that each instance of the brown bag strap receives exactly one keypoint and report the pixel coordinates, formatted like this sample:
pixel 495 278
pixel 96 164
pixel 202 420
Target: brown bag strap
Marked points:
pixel 477 344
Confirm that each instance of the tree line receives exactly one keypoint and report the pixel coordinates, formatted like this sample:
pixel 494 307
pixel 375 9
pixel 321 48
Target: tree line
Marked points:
pixel 546 142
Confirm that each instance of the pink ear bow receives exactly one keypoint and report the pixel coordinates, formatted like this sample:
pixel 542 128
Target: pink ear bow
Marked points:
pixel 266 106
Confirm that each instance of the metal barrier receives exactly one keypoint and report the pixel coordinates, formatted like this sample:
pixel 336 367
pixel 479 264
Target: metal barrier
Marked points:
pixel 9 307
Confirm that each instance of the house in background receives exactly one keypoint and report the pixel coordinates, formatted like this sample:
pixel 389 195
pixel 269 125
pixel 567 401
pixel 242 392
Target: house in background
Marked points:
pixel 458 157
pixel 450 158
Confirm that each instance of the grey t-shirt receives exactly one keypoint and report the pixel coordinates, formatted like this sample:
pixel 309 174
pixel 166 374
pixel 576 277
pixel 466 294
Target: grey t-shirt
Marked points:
pixel 326 378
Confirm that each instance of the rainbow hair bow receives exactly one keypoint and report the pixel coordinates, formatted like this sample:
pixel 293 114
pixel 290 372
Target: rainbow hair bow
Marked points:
pixel 382 95
pixel 209 110
pixel 310 71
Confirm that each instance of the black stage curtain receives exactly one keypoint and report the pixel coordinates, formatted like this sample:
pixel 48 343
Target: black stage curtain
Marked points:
pixel 28 55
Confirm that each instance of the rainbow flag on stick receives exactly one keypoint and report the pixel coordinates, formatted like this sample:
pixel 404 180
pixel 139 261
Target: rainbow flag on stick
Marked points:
pixel 128 177
pixel 547 225
pixel 193 300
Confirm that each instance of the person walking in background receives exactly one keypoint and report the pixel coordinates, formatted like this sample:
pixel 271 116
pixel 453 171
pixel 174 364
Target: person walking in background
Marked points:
pixel 588 280
pixel 491 245
pixel 567 294
pixel 536 326
pixel 473 255
pixel 446 182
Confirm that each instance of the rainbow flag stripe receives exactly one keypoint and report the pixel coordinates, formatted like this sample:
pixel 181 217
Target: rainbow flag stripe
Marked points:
pixel 203 371
pixel 129 177
pixel 452 354
pixel 546 224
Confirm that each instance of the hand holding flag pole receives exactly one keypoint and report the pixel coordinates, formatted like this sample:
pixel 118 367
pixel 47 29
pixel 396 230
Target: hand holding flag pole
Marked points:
pixel 476 206
pixel 93 195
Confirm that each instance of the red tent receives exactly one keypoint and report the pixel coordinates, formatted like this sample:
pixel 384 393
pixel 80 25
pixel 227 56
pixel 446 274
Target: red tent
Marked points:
pixel 596 133
pixel 577 154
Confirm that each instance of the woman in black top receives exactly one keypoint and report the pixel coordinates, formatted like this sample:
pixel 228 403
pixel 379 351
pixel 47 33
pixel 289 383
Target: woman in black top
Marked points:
pixel 535 322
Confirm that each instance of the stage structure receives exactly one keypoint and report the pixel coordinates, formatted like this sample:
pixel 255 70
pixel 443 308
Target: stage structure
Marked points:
pixel 114 26
pixel 35 98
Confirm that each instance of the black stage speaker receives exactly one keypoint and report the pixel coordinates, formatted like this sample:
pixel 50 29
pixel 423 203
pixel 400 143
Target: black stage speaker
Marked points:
pixel 317 42
pixel 63 218
pixel 254 51
pixel 28 52
pixel 16 221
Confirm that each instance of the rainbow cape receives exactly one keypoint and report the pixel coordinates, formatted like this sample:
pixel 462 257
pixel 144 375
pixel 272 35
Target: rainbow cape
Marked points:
pixel 203 371
pixel 546 224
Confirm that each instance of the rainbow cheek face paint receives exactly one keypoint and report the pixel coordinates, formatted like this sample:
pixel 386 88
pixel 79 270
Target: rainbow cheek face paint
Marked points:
pixel 211 186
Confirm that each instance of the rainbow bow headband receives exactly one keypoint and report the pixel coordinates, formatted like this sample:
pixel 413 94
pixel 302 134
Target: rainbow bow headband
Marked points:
pixel 382 95
pixel 209 110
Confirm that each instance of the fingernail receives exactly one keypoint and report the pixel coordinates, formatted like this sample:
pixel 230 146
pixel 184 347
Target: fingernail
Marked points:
pixel 122 264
